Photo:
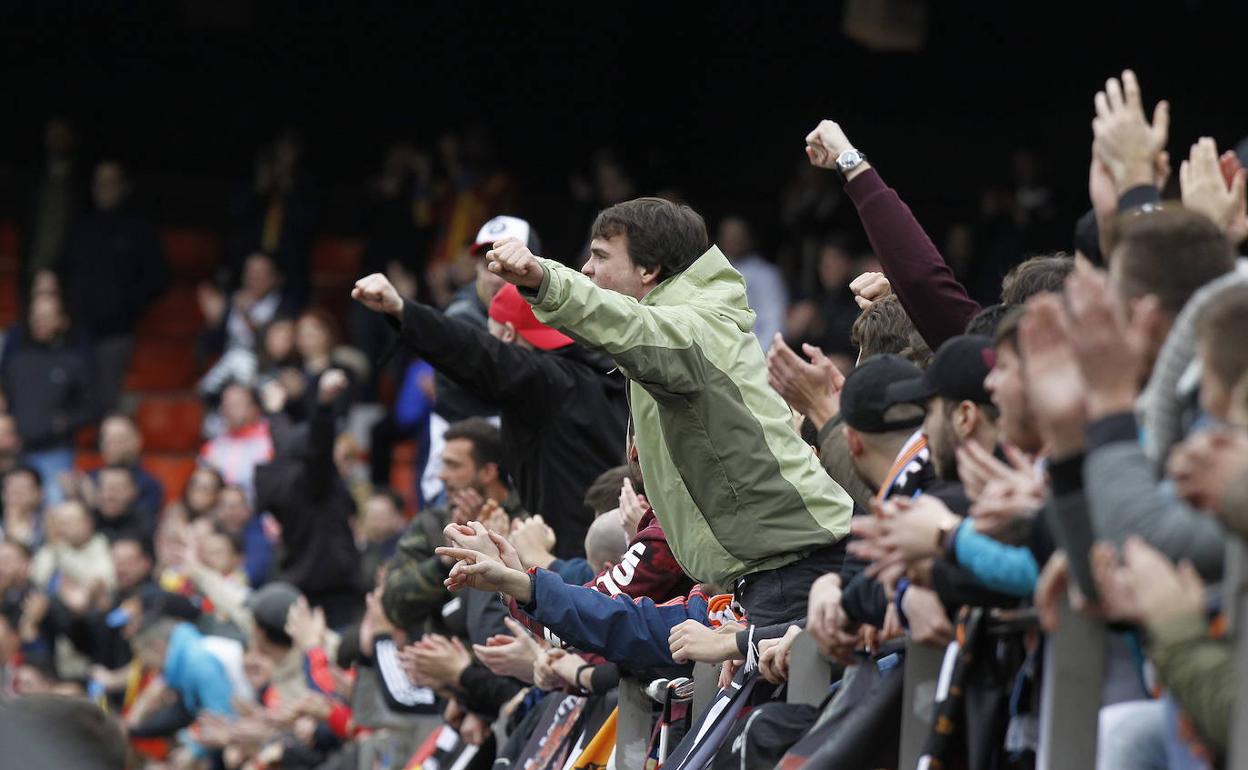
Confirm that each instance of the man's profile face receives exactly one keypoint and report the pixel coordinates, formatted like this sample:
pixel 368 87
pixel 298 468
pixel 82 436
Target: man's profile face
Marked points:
pixel 610 267
pixel 459 470
pixel 1005 384
pixel 942 442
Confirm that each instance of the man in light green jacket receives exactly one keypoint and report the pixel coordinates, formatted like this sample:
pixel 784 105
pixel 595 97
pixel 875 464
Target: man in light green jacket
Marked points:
pixel 743 500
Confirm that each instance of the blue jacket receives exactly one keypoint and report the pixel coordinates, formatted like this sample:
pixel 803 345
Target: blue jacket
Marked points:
pixel 195 674
pixel 629 632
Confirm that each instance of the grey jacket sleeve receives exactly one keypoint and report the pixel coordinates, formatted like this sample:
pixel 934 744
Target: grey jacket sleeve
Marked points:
pixel 834 454
pixel 1125 497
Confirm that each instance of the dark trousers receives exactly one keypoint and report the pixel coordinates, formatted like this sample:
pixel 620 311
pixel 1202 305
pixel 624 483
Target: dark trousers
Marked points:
pixel 780 595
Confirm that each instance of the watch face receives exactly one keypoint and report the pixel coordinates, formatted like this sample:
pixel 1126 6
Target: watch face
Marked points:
pixel 848 159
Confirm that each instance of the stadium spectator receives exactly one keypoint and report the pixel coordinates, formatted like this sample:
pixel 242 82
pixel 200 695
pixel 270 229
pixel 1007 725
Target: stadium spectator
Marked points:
pixel 765 289
pixel 233 322
pixel 23 520
pixel 563 411
pixel 112 270
pixel 276 216
pixel 55 200
pixel 246 441
pixel 46 375
pixel 694 314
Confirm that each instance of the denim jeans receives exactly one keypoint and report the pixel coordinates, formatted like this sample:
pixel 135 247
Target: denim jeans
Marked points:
pixel 51 463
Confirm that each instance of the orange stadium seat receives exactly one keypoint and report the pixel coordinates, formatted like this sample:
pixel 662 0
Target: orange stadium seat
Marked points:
pixel 193 253
pixel 170 423
pixel 161 365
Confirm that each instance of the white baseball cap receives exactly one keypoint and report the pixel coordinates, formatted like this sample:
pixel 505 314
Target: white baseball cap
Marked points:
pixel 501 227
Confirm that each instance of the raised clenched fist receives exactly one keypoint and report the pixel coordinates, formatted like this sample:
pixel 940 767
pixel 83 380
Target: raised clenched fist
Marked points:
pixel 375 292
pixel 825 144
pixel 512 261
pixel 333 382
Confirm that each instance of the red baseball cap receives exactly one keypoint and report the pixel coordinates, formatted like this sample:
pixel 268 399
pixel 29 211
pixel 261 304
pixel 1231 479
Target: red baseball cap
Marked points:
pixel 509 307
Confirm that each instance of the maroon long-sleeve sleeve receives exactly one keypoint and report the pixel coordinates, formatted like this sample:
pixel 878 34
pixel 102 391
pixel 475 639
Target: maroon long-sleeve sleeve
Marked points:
pixel 937 304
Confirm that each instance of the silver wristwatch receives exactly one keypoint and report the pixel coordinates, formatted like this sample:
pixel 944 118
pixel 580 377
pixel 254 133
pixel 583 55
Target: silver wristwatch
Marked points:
pixel 849 160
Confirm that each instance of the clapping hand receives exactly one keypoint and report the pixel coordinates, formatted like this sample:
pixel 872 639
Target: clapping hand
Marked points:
pixel 1126 142
pixel 812 387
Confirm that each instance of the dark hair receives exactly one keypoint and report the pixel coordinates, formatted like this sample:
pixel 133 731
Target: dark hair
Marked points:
pixel 988 320
pixel 1169 252
pixel 604 493
pixel 1041 274
pixel 251 391
pixel 235 538
pixel 487 443
pixel 119 468
pixel 60 731
pixel 810 433
pixel 193 514
pixel 138 538
pixel 661 235
pixel 1007 329
pixel 1221 326
pixel 884 327
pixel 325 319
pixel 29 471
pixel 390 494
pixel 990 410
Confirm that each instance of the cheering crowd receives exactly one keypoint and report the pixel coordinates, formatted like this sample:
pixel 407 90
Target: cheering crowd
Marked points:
pixel 631 463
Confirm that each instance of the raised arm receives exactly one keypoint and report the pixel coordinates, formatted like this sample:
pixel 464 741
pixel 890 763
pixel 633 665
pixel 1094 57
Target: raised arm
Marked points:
pixel 643 339
pixel 933 298
pixel 487 367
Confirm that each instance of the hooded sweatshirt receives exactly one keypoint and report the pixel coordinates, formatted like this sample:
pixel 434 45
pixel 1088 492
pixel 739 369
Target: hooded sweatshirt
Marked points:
pixel 736 489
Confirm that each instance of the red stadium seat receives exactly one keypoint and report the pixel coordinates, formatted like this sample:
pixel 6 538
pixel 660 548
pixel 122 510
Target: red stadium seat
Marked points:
pixel 172 470
pixel 88 461
pixel 175 315
pixel 8 300
pixel 170 423
pixel 161 365
pixel 403 481
pixel 9 240
pixel 193 253
pixel 336 260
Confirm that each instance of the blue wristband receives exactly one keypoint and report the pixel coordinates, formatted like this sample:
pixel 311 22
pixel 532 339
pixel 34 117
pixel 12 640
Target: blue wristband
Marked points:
pixel 902 585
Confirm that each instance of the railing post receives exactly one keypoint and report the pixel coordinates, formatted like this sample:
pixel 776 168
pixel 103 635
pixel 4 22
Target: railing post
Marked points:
pixel 919 678
pixel 1235 603
pixel 809 673
pixel 633 725
pixel 1070 703
pixel 705 685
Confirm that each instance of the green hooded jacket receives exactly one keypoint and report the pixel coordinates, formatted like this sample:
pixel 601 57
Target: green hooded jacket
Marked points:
pixel 735 488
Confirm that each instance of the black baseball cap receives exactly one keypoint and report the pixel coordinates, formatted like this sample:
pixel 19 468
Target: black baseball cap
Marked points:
pixel 867 401
pixel 957 373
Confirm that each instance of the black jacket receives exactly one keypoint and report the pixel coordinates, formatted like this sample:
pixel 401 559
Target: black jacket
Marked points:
pixel 564 414
pixel 49 388
pixel 308 497
pixel 112 270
